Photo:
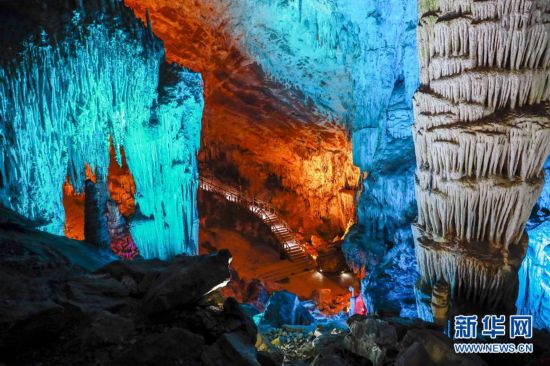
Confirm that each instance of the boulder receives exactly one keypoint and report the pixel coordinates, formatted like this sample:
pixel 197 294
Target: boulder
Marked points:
pixel 35 322
pixel 231 349
pixel 269 359
pixel 207 322
pixel 371 338
pixel 329 360
pixel 167 285
pixel 91 293
pixel 328 343
pixel 174 346
pixel 415 355
pixel 105 328
pixel 285 308
pixel 184 281
pixel 236 319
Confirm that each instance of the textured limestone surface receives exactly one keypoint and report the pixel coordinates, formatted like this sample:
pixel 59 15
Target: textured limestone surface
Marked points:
pixel 77 76
pixel 482 135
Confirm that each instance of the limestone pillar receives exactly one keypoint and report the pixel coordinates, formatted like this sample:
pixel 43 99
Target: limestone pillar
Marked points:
pixel 481 134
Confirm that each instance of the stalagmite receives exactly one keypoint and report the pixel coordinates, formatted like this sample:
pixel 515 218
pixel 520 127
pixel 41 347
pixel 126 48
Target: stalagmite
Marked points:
pixel 482 135
pixel 119 233
pixel 95 208
pixel 440 302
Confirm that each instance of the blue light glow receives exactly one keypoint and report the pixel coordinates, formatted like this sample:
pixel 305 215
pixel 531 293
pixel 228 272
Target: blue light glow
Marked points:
pixel 59 106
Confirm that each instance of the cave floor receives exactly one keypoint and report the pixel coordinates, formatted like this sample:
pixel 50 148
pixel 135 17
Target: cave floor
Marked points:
pixel 251 258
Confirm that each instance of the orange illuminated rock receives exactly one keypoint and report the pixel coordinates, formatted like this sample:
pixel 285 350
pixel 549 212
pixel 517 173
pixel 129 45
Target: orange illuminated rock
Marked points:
pixel 257 134
pixel 74 212
pixel 122 187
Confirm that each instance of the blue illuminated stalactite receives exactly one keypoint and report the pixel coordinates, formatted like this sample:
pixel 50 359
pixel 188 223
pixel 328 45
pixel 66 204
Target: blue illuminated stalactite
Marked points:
pixel 59 107
pixel 534 274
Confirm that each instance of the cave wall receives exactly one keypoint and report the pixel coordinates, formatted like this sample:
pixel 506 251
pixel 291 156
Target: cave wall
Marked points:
pixel 534 279
pixel 385 78
pixel 481 131
pixel 77 77
pixel 355 63
pixel 260 134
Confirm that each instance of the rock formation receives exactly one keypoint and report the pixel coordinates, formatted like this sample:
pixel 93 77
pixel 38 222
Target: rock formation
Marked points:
pixel 482 135
pixel 95 213
pixel 283 308
pixel 534 274
pixel 67 302
pixel 260 134
pixel 77 75
pixel 356 62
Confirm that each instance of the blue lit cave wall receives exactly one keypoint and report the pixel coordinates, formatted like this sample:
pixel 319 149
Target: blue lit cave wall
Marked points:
pixel 89 75
pixel 357 62
pixel 534 274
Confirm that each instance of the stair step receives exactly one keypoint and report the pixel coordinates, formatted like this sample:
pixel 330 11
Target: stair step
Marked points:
pixel 296 248
pixel 300 260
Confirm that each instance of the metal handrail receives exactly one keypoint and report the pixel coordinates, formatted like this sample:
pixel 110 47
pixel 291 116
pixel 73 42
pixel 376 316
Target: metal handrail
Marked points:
pixel 265 210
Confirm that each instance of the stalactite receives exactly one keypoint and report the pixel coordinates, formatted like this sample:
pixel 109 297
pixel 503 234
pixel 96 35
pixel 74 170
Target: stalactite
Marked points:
pixel 96 79
pixel 473 272
pixel 522 139
pixel 482 135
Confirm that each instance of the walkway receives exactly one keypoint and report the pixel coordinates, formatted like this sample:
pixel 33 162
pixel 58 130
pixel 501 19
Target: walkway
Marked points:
pixel 300 260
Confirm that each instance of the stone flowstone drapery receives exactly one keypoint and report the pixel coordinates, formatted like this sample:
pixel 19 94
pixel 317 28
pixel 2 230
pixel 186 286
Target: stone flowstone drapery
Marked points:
pixel 482 135
pixel 89 74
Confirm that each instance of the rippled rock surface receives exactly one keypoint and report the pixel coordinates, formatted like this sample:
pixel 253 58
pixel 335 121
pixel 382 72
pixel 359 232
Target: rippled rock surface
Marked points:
pixel 482 135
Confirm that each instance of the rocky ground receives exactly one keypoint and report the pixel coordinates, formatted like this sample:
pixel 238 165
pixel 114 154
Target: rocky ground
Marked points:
pixel 64 302
pixel 60 305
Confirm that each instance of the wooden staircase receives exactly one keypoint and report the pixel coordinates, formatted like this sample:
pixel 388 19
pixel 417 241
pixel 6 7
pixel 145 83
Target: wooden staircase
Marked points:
pixel 300 260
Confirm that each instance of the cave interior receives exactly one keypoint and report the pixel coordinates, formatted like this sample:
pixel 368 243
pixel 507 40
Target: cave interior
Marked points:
pixel 271 182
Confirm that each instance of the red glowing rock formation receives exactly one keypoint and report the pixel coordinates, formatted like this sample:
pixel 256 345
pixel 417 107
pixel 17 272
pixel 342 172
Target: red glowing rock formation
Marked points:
pixel 122 243
pixel 255 132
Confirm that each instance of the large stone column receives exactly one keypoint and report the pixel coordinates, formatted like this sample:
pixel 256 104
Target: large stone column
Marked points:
pixel 482 134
